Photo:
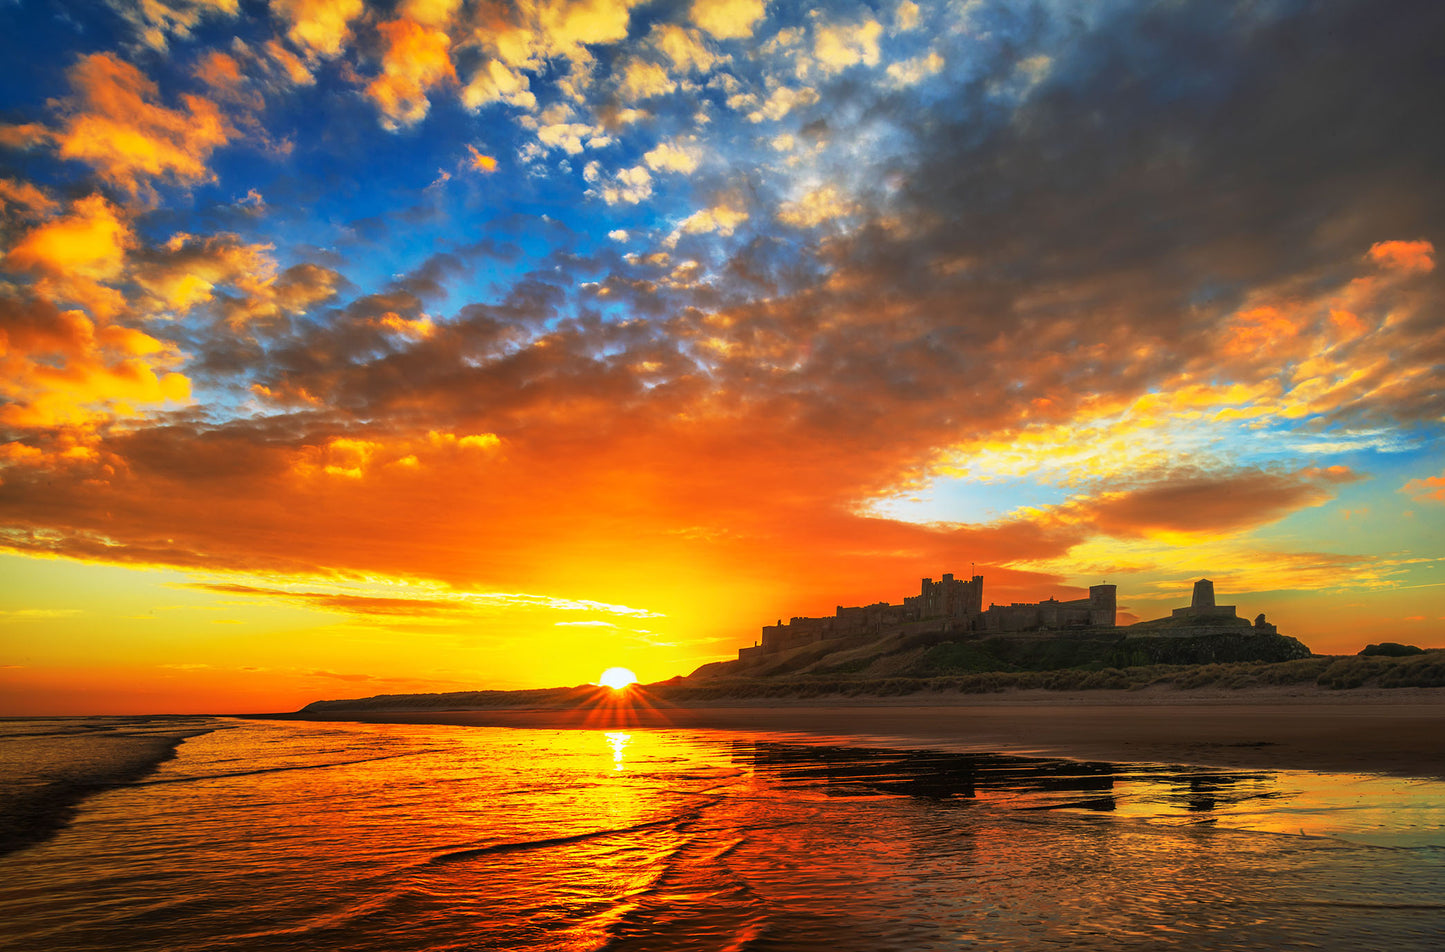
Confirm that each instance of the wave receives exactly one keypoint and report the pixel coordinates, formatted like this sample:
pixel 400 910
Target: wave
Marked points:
pixel 49 772
pixel 265 770
pixel 458 856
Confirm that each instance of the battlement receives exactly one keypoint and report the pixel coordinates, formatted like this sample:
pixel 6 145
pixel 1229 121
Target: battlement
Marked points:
pixel 947 605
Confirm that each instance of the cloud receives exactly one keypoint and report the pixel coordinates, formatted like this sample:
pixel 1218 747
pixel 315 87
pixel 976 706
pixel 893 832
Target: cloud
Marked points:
pixel 64 369
pixel 1430 487
pixel 910 72
pixel 626 187
pixel 1209 505
pixel 1065 278
pixel 495 81
pixel 458 606
pixel 556 129
pixel 727 19
pixel 187 270
pixel 905 16
pixel 783 100
pixel 222 72
pixel 416 59
pixel 26 135
pixel 342 602
pixel 643 80
pixel 687 49
pixel 281 61
pixel 73 257
pixel 90 241
pixel 39 613
pixel 156 22
pixel 722 219
pixel 320 27
pixel 479 162
pixel 568 24
pixel 1408 256
pixel 114 123
pixel 822 204
pixel 838 46
pixel 671 157
pixel 434 13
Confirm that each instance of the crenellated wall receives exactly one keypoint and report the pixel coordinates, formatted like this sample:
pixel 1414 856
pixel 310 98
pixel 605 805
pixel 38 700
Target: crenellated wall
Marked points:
pixel 949 603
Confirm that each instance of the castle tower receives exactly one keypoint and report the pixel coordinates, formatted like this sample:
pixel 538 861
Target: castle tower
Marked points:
pixel 1203 602
pixel 1103 605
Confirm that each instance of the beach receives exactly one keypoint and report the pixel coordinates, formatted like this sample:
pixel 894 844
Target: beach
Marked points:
pixel 1395 731
pixel 843 824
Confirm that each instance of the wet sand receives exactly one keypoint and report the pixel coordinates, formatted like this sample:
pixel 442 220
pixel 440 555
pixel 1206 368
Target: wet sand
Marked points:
pixel 1399 731
pixel 49 765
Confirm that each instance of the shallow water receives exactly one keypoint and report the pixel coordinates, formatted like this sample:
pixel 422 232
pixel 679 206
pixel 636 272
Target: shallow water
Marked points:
pixel 287 836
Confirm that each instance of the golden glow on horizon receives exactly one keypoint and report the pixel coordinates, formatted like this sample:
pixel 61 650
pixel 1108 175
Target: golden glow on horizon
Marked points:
pixel 617 678
pixel 260 451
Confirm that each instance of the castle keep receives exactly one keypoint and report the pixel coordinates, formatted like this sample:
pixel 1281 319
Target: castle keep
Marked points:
pixel 950 608
pixel 946 606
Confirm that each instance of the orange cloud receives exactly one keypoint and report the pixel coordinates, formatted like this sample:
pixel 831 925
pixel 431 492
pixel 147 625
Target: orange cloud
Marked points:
pixel 73 256
pixel 480 162
pixel 416 59
pixel 1261 331
pixel 1412 257
pixel 23 198
pixel 318 26
pixel 61 368
pixel 90 241
pixel 436 13
pixel 115 124
pixel 186 270
pixel 1431 487
pixel 1209 506
pixel 223 73
pixel 25 136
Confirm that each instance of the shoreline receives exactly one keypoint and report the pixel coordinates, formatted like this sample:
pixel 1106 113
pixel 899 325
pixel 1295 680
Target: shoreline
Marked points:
pixel 1396 731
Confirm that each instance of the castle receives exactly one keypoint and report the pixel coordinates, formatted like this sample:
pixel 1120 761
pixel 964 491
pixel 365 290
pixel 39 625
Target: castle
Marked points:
pixel 954 607
pixel 947 606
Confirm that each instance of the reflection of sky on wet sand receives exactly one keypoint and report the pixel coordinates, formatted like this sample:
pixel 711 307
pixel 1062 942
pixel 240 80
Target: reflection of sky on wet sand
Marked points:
pixel 1361 808
pixel 290 837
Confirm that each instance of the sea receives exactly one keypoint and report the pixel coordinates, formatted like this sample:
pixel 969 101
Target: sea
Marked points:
pixel 213 835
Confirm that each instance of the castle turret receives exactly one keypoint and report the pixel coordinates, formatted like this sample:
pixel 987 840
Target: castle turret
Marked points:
pixel 1202 604
pixel 1203 601
pixel 1103 605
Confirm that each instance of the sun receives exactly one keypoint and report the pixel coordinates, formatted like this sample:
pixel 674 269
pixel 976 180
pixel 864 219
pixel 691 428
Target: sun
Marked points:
pixel 617 678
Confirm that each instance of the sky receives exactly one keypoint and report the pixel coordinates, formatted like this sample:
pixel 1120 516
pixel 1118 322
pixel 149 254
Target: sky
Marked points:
pixel 354 348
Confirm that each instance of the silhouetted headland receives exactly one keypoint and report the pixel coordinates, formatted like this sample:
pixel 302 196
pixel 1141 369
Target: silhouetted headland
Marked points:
pixel 1201 685
pixel 945 629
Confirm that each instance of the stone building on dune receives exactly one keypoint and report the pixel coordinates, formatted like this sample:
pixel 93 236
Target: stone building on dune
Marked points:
pixel 953 608
pixel 948 606
pixel 1201 617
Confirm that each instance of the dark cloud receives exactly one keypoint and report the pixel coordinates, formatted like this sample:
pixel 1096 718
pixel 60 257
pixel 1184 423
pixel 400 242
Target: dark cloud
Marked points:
pixel 1013 258
pixel 353 604
pixel 1210 504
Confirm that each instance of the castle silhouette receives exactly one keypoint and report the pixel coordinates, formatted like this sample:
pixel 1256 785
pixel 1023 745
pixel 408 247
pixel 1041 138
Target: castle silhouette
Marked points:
pixel 955 606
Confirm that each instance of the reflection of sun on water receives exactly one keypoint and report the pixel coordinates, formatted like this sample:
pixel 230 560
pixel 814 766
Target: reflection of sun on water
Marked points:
pixel 617 678
pixel 618 741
